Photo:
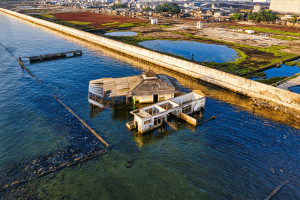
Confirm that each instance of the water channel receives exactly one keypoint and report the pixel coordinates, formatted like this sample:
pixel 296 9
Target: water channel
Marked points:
pixel 120 33
pixel 284 70
pixel 242 154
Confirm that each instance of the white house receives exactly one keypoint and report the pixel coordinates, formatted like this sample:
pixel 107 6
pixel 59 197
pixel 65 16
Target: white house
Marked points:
pixel 199 24
pixel 250 31
pixel 257 8
pixel 154 21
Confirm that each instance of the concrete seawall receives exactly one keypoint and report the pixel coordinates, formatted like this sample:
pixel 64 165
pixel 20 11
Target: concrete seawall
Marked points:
pixel 278 97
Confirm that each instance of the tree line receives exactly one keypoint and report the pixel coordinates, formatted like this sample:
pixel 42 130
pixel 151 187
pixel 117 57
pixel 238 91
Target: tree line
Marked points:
pixel 264 15
pixel 168 7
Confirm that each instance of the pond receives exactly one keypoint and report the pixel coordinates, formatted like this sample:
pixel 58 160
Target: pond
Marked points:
pixel 201 51
pixel 295 89
pixel 284 70
pixel 119 33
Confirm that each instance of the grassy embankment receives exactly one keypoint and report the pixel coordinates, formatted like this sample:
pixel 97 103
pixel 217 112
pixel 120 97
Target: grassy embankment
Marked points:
pixel 277 79
pixel 292 63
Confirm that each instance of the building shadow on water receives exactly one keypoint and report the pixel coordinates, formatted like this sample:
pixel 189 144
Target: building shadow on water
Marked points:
pixel 174 124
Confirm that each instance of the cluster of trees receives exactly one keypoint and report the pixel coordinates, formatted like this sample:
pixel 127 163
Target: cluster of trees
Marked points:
pixel 257 16
pixel 294 19
pixel 168 7
pixel 236 16
pixel 115 6
pixel 263 15
pixel 146 9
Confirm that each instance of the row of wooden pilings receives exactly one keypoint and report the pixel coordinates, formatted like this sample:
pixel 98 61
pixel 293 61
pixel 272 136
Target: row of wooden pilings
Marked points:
pixel 75 53
pixel 69 109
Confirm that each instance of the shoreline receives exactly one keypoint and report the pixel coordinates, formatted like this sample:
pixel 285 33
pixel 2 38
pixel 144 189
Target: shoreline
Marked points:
pixel 285 99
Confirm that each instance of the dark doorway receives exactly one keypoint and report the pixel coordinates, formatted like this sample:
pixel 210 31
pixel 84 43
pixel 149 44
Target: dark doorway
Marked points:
pixel 155 98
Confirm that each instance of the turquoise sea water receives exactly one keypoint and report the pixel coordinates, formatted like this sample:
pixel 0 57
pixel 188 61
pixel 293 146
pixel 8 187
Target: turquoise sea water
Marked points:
pixel 237 156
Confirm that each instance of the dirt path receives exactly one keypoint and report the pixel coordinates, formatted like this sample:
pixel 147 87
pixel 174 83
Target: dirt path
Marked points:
pixel 290 83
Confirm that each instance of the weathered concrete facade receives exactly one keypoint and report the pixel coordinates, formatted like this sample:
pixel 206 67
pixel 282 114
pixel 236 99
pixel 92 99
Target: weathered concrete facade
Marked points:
pixel 151 117
pixel 231 82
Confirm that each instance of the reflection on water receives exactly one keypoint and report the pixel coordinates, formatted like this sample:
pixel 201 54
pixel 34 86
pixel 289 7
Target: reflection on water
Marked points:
pixel 174 125
pixel 201 51
pixel 125 33
pixel 284 70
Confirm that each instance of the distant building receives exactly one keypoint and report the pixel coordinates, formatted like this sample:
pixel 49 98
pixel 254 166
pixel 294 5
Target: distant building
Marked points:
pixel 285 6
pixel 262 1
pixel 257 8
pixel 250 31
pixel 199 24
pixel 241 0
pixel 154 21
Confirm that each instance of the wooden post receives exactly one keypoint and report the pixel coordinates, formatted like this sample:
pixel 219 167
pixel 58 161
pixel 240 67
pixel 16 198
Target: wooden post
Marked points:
pixel 20 62
pixel 87 126
pixel 201 112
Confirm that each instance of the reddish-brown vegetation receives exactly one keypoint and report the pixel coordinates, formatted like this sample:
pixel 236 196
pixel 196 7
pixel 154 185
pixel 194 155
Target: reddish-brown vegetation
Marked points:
pixel 96 18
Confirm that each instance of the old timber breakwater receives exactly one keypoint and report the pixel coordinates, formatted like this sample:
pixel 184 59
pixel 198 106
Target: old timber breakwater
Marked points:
pixel 261 94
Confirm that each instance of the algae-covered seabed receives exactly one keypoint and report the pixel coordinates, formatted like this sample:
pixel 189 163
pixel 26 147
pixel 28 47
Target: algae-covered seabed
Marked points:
pixel 239 155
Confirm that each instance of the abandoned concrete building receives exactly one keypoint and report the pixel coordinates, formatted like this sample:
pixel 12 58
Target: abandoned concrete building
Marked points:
pixel 154 116
pixel 145 88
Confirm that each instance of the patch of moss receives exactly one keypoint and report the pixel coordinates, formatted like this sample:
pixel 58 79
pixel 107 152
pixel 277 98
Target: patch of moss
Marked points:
pixel 163 26
pixel 292 63
pixel 48 16
pixel 109 24
pixel 269 30
pixel 272 80
pixel 285 38
pixel 79 23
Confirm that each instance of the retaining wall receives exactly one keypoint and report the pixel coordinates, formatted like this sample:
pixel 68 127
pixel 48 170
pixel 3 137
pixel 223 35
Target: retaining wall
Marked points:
pixel 231 82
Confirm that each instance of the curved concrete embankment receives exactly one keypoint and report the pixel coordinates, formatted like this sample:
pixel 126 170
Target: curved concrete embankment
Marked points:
pixel 231 82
